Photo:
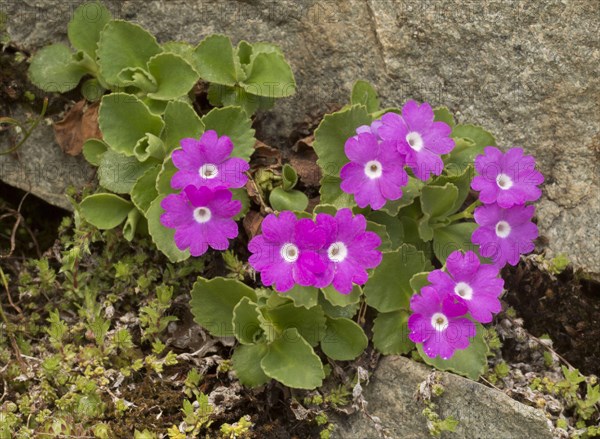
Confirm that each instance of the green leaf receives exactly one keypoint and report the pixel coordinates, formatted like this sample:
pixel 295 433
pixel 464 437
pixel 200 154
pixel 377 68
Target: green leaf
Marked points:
pixel 309 322
pixel 453 237
pixel 393 227
pixel 93 150
pixel 181 121
pixel 332 193
pixel 241 194
pixel 105 211
pixel 336 298
pixel 118 173
pixel 244 51
pixel 269 75
pixel 163 181
pixel 461 181
pixel 442 114
pixel 289 177
pixel 380 229
pixel 184 50
pixel 246 325
pixel 409 192
pixel 390 333
pixel 92 90
pixel 280 200
pixel 246 361
pixel 53 69
pixel 363 93
pixel 224 95
pixel 213 301
pixel 325 208
pixel 234 123
pixel 436 203
pixel 330 138
pixel 470 142
pixel 174 76
pixel 163 237
pixel 344 339
pixel 477 134
pixel 155 107
pixel 378 114
pixel 137 77
pixel 306 297
pixel 149 146
pixel 410 229
pixel 291 361
pixel 124 45
pixel 388 288
pixel 84 28
pixel 333 311
pixel 130 226
pixel 419 281
pixel 214 60
pixel 124 120
pixel 469 362
pixel 262 47
pixel 144 191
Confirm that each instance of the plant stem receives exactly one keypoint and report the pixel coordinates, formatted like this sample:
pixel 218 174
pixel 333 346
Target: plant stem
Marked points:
pixel 266 208
pixel 26 132
pixel 10 334
pixel 465 214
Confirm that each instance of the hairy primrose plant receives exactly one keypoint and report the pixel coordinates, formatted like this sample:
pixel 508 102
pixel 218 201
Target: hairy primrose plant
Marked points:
pixel 416 217
pixel 395 204
pixel 145 109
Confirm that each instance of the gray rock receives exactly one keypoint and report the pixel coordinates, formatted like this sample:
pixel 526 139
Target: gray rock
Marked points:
pixel 525 70
pixel 482 412
pixel 39 165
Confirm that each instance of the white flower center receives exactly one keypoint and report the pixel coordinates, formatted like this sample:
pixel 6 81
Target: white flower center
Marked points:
pixel 289 252
pixel 208 171
pixel 502 229
pixel 415 141
pixel 337 251
pixel 202 214
pixel 464 290
pixel 373 169
pixel 439 321
pixel 504 182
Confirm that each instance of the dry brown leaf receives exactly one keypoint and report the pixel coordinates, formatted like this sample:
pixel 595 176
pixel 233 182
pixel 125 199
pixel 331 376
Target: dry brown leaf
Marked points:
pixel 304 160
pixel 265 156
pixel 79 124
pixel 251 223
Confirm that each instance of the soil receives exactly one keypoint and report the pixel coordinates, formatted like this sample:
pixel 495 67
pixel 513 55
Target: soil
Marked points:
pixel 565 307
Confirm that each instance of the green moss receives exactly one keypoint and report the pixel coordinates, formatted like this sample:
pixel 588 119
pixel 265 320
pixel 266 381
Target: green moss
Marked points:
pixel 95 317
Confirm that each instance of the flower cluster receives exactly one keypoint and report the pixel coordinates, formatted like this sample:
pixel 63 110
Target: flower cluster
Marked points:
pixel 331 250
pixel 378 154
pixel 506 182
pixel 444 312
pixel 202 212
pixel 439 318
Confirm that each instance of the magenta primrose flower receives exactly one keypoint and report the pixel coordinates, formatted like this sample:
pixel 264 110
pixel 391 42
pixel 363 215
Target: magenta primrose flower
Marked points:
pixel 373 128
pixel 348 251
pixel 508 179
pixel 504 234
pixel 439 323
pixel 202 218
pixel 375 173
pixel 478 285
pixel 207 162
pixel 418 138
pixel 286 252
